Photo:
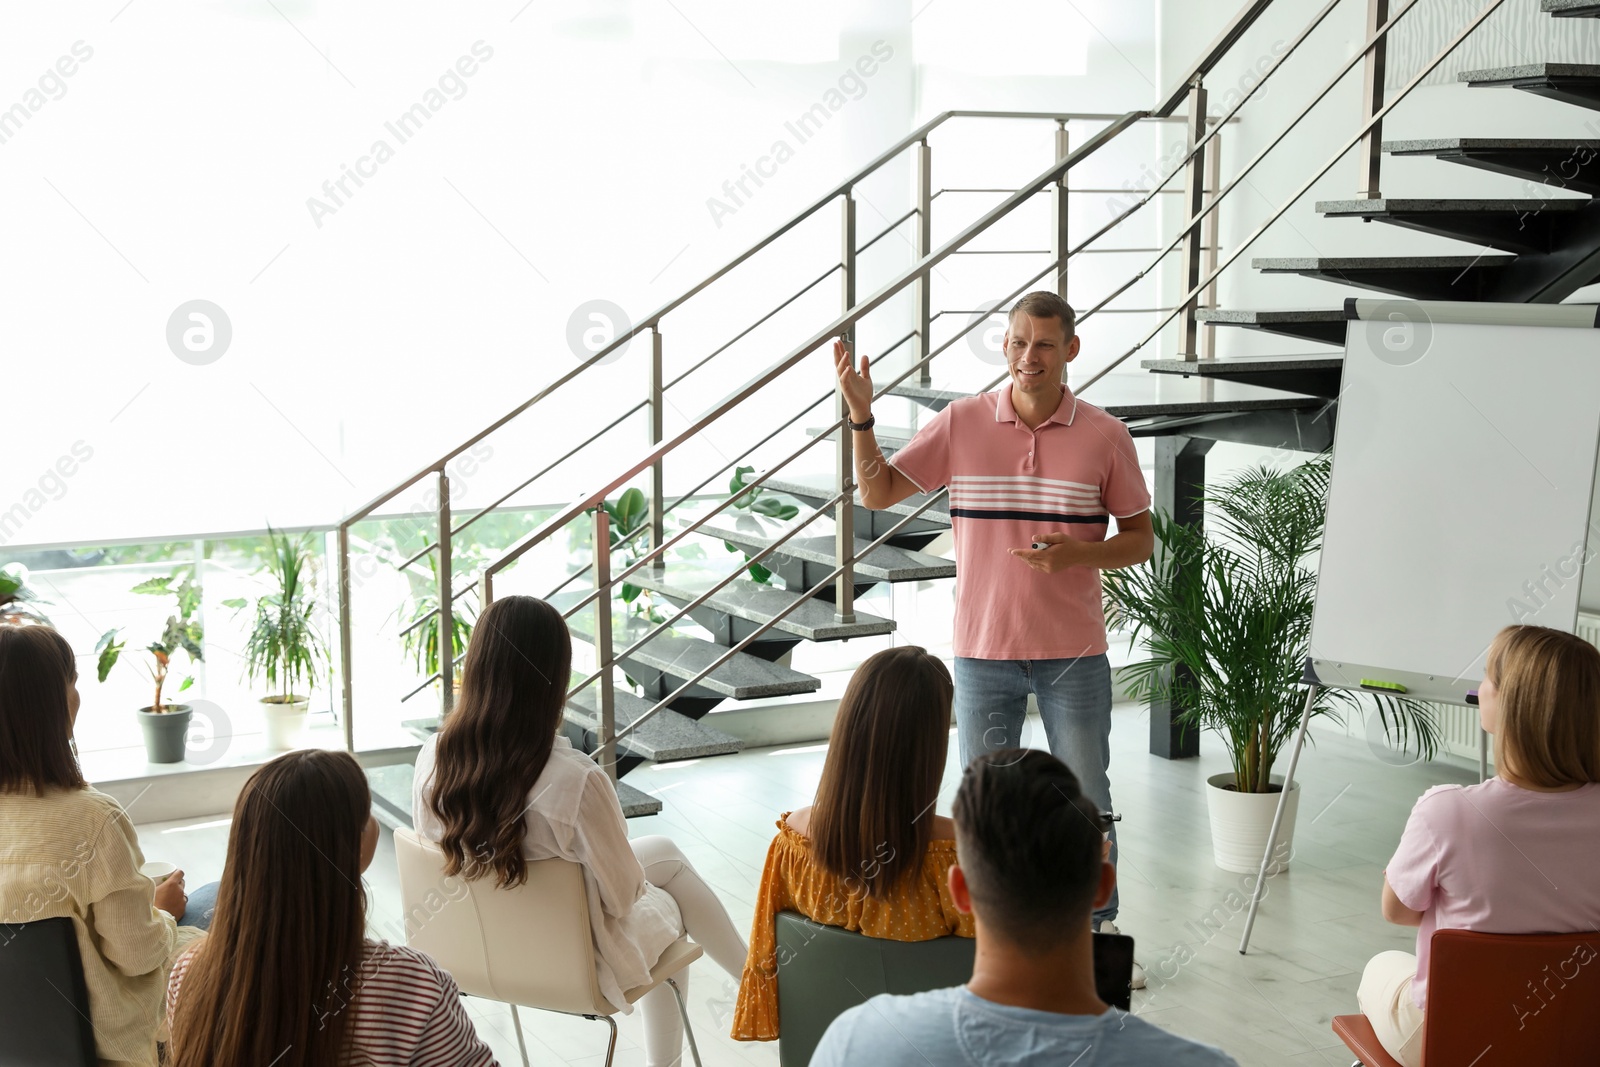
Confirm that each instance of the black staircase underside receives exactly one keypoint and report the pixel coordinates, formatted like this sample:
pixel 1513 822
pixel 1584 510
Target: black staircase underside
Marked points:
pixel 1563 163
pixel 1325 325
pixel 1213 409
pixel 1313 375
pixel 1530 225
pixel 1570 83
pixel 1415 277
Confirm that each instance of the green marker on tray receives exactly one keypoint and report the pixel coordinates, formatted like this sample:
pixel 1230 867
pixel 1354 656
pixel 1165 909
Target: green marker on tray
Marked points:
pixel 1387 687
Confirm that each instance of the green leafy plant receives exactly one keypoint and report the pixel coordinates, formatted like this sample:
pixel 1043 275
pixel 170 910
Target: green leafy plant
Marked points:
pixel 284 648
pixel 17 596
pixel 628 515
pixel 758 502
pixel 1225 610
pixel 422 643
pixel 182 632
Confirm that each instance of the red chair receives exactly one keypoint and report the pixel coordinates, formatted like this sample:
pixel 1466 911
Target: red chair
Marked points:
pixel 1501 1000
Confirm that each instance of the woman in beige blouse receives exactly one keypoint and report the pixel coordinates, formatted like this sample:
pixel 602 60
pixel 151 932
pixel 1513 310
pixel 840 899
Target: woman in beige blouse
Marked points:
pixel 66 849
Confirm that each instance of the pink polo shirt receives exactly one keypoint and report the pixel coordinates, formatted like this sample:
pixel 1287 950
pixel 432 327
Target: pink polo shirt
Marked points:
pixel 1501 859
pixel 1009 484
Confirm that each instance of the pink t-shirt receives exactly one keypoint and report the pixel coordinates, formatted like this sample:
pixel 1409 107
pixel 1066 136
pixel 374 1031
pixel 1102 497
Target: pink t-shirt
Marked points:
pixel 1008 484
pixel 1501 859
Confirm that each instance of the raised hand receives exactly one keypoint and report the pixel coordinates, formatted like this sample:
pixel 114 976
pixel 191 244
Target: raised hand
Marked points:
pixel 854 385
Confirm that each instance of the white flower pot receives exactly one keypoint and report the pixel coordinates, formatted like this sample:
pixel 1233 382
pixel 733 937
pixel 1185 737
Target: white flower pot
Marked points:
pixel 1240 823
pixel 286 723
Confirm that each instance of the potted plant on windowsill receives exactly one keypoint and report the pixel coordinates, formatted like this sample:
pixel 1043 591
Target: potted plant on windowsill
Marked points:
pixel 420 640
pixel 165 725
pixel 284 649
pixel 17 598
pixel 1225 610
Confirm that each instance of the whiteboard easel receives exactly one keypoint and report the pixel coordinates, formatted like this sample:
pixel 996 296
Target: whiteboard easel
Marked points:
pixel 1463 489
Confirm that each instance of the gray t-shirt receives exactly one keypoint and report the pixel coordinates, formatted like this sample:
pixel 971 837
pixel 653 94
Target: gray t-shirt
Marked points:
pixel 954 1028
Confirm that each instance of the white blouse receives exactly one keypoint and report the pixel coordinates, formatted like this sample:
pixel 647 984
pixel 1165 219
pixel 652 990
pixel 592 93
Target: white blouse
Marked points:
pixel 573 814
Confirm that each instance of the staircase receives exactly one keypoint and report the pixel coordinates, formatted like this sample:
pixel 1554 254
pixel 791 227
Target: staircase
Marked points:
pixel 1533 249
pixel 735 582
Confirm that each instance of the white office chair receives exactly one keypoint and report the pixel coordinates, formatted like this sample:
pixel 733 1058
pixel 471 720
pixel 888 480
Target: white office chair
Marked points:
pixel 528 946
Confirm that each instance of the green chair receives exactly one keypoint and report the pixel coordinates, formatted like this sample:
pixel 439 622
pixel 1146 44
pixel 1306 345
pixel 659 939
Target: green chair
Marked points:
pixel 823 971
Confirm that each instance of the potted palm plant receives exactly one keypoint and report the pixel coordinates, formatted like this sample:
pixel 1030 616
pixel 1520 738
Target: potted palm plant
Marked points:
pixel 1224 608
pixel 165 725
pixel 284 649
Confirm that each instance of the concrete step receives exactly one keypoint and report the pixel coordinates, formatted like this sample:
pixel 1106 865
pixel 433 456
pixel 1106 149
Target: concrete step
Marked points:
pixel 1570 83
pixel 636 802
pixel 1571 9
pixel 1565 163
pixel 1326 326
pixel 930 395
pixel 682 657
pixel 890 438
pixel 813 493
pixel 1314 375
pixel 664 737
pixel 1532 226
pixel 1416 277
pixel 756 603
pixel 885 563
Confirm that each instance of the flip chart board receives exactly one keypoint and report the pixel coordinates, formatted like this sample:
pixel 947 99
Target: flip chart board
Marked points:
pixel 1463 489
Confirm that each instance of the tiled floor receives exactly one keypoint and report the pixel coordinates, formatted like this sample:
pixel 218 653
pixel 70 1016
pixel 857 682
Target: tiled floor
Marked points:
pixel 1317 927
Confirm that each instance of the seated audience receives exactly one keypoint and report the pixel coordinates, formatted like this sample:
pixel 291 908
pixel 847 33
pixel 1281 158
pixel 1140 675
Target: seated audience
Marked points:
pixel 1507 856
pixel 67 849
pixel 869 855
pixel 1033 866
pixel 287 975
pixel 498 788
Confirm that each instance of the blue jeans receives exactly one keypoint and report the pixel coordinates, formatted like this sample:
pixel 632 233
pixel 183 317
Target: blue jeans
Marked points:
pixel 991 705
pixel 202 903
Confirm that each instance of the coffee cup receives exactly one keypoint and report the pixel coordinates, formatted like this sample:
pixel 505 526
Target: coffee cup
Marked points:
pixel 158 871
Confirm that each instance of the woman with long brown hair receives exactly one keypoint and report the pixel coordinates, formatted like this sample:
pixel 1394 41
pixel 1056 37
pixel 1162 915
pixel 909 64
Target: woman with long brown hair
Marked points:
pixel 1510 855
pixel 287 975
pixel 498 788
pixel 67 849
pixel 869 855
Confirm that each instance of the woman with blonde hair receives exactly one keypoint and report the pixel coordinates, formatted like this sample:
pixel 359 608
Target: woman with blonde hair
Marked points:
pixel 869 855
pixel 1507 856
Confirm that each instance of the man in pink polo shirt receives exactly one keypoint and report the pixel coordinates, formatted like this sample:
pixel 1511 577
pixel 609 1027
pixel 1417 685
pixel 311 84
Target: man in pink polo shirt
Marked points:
pixel 1027 463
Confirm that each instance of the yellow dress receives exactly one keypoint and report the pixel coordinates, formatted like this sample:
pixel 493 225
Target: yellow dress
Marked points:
pixel 919 909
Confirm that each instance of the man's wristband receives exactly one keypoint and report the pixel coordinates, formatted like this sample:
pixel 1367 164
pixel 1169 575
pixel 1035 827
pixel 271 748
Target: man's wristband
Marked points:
pixel 858 426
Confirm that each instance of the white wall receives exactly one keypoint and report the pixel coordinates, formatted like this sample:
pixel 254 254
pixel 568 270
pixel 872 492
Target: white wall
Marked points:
pixel 576 163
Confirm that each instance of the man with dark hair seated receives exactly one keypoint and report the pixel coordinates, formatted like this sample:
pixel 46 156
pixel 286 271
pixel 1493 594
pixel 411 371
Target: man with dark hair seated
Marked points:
pixel 1031 868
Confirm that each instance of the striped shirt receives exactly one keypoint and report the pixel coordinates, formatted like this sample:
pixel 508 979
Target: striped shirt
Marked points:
pixel 1008 484
pixel 408 1012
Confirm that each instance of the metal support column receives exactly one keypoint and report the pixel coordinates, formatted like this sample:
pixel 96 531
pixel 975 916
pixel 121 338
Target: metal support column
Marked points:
pixel 924 284
pixel 844 601
pixel 346 629
pixel 1180 484
pixel 658 521
pixel 447 627
pixel 1193 202
pixel 605 752
pixel 1209 246
pixel 1370 151
pixel 1059 241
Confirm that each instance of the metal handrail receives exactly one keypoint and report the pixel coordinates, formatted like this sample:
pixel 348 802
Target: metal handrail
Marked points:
pixel 1372 121
pixel 1235 29
pixel 1202 132
pixel 834 329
